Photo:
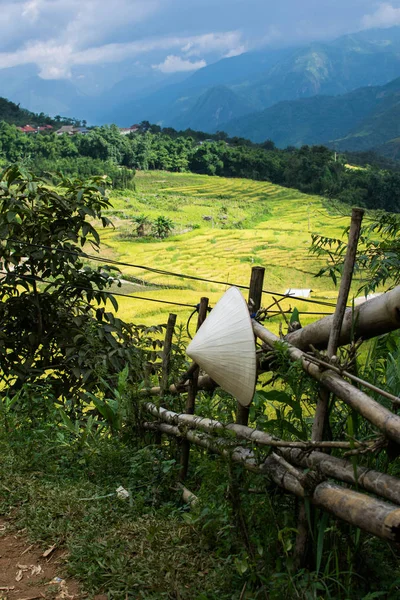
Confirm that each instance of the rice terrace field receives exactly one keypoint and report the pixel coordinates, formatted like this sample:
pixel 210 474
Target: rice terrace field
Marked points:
pixel 247 223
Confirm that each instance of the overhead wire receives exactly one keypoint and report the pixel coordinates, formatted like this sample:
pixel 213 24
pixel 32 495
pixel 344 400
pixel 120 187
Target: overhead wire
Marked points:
pixel 157 300
pixel 164 272
pixel 111 293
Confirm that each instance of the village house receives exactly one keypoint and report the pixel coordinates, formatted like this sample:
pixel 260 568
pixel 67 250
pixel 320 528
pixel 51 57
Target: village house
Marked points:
pixel 72 130
pixel 30 129
pixel 128 130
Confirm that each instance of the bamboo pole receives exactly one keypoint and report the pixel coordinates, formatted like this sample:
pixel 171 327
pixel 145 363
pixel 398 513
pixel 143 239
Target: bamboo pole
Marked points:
pixel 204 382
pixel 254 302
pixel 166 361
pixel 345 284
pixel 304 454
pixel 367 513
pixel 187 496
pixel 373 481
pixel 378 415
pixel 343 373
pixel 192 393
pixel 241 431
pixel 372 318
pixel 337 322
pixel 321 412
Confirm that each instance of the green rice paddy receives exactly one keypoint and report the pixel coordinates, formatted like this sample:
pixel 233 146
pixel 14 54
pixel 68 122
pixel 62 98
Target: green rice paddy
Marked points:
pixel 247 223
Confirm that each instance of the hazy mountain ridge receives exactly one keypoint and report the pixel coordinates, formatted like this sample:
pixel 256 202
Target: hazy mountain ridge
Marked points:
pixel 260 79
pixel 363 119
pixel 338 67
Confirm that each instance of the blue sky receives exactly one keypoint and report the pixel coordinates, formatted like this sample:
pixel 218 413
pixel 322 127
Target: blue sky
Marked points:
pixel 169 36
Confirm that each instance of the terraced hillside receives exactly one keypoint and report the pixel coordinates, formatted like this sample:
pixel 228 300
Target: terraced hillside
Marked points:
pixel 247 223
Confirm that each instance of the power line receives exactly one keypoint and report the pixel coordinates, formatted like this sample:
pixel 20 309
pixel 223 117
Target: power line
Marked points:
pixel 163 272
pixel 157 300
pixel 89 289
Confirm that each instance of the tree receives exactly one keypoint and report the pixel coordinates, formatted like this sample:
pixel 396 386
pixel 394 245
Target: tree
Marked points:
pixel 162 227
pixel 54 323
pixel 141 221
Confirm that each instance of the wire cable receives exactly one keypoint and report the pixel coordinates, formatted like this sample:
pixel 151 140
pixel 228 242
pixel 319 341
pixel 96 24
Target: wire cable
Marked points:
pixel 170 302
pixel 169 273
pixel 89 289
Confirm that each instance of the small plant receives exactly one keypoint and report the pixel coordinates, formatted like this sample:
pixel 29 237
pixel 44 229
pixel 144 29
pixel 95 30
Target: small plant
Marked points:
pixel 162 227
pixel 141 221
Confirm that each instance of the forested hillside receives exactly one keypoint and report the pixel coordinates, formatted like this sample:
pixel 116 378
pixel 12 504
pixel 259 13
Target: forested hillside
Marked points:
pixel 363 119
pixel 13 114
pixel 104 150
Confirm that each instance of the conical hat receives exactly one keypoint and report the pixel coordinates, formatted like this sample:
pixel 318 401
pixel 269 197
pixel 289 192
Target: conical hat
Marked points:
pixel 225 349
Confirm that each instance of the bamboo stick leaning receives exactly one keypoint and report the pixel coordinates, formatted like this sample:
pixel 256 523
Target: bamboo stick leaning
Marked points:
pixel 304 454
pixel 375 317
pixel 374 516
pixel 378 415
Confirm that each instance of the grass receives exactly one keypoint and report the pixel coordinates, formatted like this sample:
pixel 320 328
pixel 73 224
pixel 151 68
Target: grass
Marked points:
pixel 151 546
pixel 61 489
pixel 146 547
pixel 252 223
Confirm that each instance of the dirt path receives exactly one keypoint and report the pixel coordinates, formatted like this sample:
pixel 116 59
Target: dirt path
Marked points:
pixel 26 573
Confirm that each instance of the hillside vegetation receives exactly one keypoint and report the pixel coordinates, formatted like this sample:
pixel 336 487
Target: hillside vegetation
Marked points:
pixel 360 120
pixel 104 151
pixel 83 474
pixel 15 115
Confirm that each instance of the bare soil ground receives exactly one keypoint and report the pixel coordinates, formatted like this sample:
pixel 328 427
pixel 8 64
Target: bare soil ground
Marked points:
pixel 28 573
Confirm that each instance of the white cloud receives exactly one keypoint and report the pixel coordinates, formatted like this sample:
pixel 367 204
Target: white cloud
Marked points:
pixel 175 64
pixel 212 42
pixel 55 59
pixel 235 52
pixel 57 35
pixel 32 10
pixel 386 15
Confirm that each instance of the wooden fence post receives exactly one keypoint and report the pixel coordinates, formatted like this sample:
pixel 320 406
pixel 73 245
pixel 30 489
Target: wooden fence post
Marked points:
pixel 321 411
pixel 334 336
pixel 255 295
pixel 166 362
pixel 192 392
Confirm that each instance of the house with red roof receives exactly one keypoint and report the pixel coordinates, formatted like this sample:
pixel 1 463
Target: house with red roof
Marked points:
pixel 128 130
pixel 27 129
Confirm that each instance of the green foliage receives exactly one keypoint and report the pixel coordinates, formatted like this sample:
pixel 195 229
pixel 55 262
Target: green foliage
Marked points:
pixel 162 227
pixel 378 254
pixel 141 221
pixel 104 150
pixel 53 306
pixel 12 113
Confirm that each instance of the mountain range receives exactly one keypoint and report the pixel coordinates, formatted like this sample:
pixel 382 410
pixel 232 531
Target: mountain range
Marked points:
pixel 245 84
pixel 365 118
pixel 343 92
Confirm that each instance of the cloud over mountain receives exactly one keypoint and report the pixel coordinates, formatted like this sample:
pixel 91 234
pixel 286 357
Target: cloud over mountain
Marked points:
pixel 386 15
pixel 57 35
pixel 175 64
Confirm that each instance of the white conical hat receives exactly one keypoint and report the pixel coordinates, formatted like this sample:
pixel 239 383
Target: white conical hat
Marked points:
pixel 225 349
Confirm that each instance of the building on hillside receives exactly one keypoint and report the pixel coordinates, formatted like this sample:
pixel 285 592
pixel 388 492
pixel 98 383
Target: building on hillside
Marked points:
pixel 30 129
pixel 69 129
pixel 27 129
pixel 72 130
pixel 128 130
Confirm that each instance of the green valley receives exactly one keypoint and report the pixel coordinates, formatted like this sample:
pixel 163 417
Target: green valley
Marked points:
pixel 248 223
